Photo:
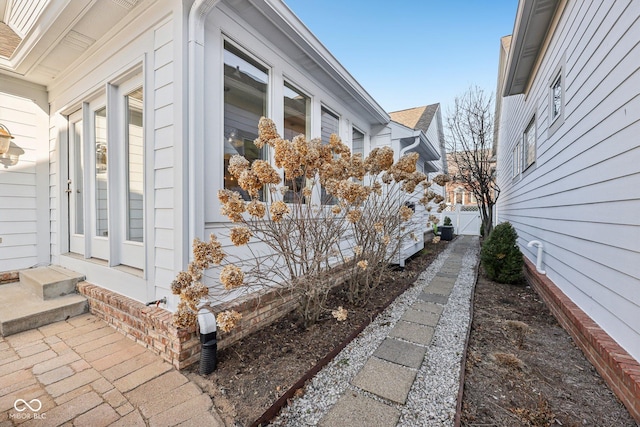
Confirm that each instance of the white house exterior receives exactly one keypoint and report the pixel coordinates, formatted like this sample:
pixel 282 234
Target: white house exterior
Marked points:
pixel 124 112
pixel 568 150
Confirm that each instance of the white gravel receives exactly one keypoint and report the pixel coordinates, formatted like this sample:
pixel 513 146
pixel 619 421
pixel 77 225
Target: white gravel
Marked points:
pixel 432 398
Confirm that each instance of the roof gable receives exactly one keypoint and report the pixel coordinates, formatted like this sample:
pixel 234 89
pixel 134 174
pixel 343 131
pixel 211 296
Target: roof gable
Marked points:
pixel 416 118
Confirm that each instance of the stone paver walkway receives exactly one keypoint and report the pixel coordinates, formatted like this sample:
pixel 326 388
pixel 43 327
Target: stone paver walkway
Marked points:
pixel 390 372
pixel 82 372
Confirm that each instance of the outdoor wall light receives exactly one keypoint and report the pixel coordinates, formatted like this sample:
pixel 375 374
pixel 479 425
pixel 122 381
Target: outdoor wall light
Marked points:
pixel 5 139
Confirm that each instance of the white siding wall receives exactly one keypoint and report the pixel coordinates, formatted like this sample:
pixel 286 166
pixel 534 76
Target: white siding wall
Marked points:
pixel 164 155
pixel 154 42
pixel 581 198
pixel 23 177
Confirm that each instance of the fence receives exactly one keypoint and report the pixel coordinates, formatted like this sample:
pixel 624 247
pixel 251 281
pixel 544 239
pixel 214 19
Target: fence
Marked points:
pixel 464 218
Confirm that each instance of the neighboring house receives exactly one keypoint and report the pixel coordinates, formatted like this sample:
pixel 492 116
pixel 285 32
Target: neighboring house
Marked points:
pixel 418 129
pixel 425 121
pixel 457 192
pixel 568 172
pixel 125 113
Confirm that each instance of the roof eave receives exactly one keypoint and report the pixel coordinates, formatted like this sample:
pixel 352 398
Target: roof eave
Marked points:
pixel 533 20
pixel 279 13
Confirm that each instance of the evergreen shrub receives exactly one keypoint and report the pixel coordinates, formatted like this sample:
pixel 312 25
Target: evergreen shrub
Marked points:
pixel 501 257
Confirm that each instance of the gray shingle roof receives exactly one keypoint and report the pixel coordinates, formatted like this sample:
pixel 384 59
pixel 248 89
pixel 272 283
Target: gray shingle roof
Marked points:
pixel 416 118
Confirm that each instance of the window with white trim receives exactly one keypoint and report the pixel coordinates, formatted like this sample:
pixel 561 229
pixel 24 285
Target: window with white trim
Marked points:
pixel 246 93
pixel 357 142
pixel 297 121
pixel 330 124
pixel 515 160
pixel 556 98
pixel 529 144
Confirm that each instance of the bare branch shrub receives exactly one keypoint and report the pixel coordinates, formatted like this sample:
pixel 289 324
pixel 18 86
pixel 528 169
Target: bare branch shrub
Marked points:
pixel 343 219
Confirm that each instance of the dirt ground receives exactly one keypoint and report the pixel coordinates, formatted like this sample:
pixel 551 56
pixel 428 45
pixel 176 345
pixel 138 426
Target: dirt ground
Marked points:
pixel 253 373
pixel 523 369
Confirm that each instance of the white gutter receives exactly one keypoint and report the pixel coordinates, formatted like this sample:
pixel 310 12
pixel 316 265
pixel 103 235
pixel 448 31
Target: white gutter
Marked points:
pixel 410 147
pixel 195 74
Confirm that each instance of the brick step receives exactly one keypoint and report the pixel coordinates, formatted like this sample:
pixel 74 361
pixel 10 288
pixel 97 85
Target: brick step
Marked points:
pixel 50 282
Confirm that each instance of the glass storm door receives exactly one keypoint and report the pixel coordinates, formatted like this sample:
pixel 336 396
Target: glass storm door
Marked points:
pixel 75 185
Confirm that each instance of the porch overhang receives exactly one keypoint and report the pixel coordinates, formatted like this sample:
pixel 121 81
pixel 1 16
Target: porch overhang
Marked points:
pixel 533 20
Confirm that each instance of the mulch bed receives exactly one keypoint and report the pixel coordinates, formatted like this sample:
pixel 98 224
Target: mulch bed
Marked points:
pixel 538 377
pixel 253 373
pixel 522 368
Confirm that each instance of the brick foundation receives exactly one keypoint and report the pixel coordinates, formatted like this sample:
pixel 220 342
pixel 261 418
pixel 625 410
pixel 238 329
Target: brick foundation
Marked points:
pixel 152 327
pixel 615 365
pixel 9 277
pixel 149 326
pixel 258 310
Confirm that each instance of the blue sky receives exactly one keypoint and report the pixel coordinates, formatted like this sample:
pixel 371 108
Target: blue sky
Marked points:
pixel 408 53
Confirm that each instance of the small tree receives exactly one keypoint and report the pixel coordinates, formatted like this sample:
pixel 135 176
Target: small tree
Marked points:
pixel 501 257
pixel 470 149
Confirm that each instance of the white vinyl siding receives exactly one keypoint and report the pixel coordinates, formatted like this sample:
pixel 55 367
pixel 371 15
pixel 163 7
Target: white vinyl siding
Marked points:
pixel 164 153
pixel 23 185
pixel 582 199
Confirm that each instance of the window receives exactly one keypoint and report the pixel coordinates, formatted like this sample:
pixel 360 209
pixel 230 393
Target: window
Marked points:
pixel 134 141
pixel 357 142
pixel 557 86
pixel 330 124
pixel 529 144
pixel 297 121
pixel 101 184
pixel 515 159
pixel 245 101
pixel 556 98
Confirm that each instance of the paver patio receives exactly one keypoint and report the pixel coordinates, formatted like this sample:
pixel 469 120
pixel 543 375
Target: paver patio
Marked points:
pixel 82 372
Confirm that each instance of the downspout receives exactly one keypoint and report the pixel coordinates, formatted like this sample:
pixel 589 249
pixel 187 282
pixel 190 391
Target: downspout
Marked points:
pixel 195 80
pixel 410 147
pixel 401 258
pixel 195 74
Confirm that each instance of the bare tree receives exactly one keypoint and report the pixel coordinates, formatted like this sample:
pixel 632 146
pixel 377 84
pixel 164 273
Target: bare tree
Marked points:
pixel 470 150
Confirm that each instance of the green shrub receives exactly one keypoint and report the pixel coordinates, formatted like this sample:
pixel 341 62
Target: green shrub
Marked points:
pixel 447 221
pixel 501 257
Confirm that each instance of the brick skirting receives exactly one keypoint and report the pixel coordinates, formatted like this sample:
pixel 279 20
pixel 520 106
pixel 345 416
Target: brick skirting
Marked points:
pixel 258 310
pixel 9 277
pixel 615 365
pixel 152 327
pixel 149 326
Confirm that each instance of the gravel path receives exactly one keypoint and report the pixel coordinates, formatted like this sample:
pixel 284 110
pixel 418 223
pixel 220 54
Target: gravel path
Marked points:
pixel 432 398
